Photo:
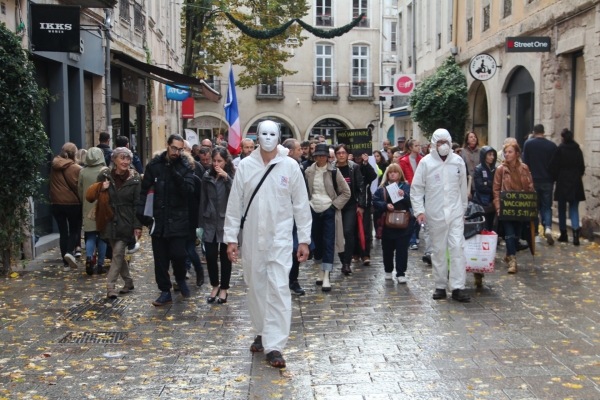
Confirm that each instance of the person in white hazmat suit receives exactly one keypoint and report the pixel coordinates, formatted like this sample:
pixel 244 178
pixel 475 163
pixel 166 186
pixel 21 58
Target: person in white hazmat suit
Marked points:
pixel 439 198
pixel 267 236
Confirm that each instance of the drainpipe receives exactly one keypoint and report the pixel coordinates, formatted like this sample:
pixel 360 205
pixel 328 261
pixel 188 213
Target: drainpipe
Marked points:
pixel 107 83
pixel 380 71
pixel 454 23
pixel 414 37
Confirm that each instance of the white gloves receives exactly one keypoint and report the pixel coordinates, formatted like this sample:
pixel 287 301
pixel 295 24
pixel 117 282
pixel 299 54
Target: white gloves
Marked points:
pixel 199 233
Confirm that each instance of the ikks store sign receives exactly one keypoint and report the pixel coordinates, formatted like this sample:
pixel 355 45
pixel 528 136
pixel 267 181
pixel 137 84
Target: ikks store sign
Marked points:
pixel 533 44
pixel 55 28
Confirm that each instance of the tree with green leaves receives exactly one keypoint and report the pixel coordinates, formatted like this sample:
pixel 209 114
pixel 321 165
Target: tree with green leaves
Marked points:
pixel 23 142
pixel 211 39
pixel 441 101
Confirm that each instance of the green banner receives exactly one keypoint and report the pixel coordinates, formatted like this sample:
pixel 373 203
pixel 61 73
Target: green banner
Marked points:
pixel 518 206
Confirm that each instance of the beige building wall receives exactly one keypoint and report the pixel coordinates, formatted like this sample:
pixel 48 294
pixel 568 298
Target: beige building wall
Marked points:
pixel 298 107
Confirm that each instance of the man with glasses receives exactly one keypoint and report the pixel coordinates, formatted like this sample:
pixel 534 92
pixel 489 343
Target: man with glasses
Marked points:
pixel 170 176
pixel 439 198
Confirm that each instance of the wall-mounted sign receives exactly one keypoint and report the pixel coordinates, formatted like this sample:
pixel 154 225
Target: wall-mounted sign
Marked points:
pixel 482 67
pixel 55 28
pixel 533 44
pixel 187 108
pixel 177 94
pixel 404 84
pixel 386 93
pixel 129 87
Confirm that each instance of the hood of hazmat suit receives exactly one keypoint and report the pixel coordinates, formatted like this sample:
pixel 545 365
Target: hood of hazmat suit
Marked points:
pixel 442 183
pixel 267 238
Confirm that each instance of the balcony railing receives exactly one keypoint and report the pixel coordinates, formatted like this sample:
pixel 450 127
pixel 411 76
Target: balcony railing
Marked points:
pixel 138 17
pixel 124 12
pixel 324 20
pixel 270 91
pixel 361 91
pixel 325 90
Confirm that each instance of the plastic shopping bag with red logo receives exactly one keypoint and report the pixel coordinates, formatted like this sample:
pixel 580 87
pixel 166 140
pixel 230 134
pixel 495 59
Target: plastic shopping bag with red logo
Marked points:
pixel 480 252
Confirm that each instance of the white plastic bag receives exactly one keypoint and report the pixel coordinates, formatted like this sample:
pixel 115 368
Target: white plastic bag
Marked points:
pixel 480 252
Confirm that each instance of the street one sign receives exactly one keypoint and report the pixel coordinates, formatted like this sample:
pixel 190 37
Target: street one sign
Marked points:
pixel 482 67
pixel 404 84
pixel 533 44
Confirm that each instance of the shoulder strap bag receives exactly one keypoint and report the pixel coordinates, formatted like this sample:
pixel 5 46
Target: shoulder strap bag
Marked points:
pixel 254 194
pixel 396 219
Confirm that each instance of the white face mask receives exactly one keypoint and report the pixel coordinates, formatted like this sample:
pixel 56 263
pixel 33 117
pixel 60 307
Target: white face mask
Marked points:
pixel 268 136
pixel 443 150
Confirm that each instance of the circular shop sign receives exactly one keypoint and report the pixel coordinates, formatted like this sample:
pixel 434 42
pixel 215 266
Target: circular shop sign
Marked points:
pixel 482 67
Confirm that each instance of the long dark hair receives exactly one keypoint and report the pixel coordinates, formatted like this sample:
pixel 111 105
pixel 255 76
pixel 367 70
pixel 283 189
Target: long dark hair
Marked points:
pixel 222 151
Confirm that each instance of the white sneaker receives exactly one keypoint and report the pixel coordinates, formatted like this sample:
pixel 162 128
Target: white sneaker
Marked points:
pixel 401 279
pixel 538 239
pixel 388 276
pixel 134 250
pixel 414 246
pixel 71 260
pixel 548 235
pixel 66 268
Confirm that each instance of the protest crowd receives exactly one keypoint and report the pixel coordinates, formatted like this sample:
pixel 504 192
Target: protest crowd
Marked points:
pixel 277 204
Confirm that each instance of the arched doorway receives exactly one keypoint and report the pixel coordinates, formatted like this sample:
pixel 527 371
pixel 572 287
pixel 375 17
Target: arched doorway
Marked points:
pixel 327 127
pixel 391 133
pixel 520 93
pixel 286 130
pixel 480 115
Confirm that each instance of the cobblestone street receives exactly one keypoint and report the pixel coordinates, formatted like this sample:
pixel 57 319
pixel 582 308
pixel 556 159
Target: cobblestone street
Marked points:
pixel 530 335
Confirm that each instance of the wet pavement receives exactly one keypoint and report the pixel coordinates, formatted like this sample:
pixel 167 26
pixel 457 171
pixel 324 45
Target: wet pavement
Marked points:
pixel 530 335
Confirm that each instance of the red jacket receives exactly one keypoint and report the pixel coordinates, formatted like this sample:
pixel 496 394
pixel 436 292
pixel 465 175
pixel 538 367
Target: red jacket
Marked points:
pixel 407 167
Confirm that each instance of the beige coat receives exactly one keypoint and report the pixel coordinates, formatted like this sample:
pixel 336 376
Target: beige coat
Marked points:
pixel 339 200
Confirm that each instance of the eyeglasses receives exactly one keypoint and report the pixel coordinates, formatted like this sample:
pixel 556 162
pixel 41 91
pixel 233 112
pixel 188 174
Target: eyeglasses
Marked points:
pixel 341 153
pixel 175 149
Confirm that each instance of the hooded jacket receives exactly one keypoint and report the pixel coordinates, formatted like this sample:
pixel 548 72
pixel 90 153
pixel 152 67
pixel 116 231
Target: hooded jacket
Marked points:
pixel 483 178
pixel 64 175
pixel 170 205
pixel 567 168
pixel 443 183
pixel 123 203
pixel 94 163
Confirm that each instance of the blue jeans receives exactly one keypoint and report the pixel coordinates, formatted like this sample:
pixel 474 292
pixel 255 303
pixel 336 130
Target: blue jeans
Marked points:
pixel 573 215
pixel 415 234
pixel 544 192
pixel 193 258
pixel 92 240
pixel 512 233
pixel 323 236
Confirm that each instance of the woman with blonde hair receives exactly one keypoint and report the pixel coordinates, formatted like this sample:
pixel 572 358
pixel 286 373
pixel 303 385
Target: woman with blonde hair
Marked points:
pixel 395 239
pixel 511 175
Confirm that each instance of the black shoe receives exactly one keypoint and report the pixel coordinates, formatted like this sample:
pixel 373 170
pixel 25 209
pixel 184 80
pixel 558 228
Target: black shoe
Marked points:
pixel 427 258
pixel 346 269
pixel 89 265
pixel 439 294
pixel 521 246
pixel 100 269
pixel 212 299
pixel 460 295
pixel 296 289
pixel 276 359
pixel 257 346
pixel 199 281
pixel 563 238
pixel 221 300
pixel 576 234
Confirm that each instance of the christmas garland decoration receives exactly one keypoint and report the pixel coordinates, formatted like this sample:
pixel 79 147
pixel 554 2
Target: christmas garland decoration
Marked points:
pixel 323 34
pixel 270 33
pixel 257 33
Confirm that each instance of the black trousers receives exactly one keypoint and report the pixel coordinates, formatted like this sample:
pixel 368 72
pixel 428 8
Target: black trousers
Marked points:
pixel 68 219
pixel 212 254
pixel 400 246
pixel 295 271
pixel 349 223
pixel 368 230
pixel 168 250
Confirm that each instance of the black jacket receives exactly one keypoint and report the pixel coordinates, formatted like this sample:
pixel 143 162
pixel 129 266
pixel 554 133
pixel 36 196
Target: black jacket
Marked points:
pixel 213 209
pixel 483 178
pixel 358 187
pixel 567 168
pixel 369 175
pixel 107 153
pixel 171 189
pixel 380 202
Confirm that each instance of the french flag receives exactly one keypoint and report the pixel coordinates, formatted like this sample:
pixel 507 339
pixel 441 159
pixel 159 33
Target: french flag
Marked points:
pixel 233 117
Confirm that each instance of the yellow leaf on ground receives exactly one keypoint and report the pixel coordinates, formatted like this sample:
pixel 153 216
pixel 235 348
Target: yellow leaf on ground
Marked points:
pixel 572 385
pixel 14 275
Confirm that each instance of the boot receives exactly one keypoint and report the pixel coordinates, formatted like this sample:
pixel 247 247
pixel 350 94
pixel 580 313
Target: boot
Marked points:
pixel 563 236
pixel 320 278
pixel 512 265
pixel 128 287
pixel 576 233
pixel 111 292
pixel 478 279
pixel 326 284
pixel 89 265
pixel 346 269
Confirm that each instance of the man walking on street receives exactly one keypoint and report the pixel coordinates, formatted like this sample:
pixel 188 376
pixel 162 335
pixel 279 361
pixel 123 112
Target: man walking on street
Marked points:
pixel 441 179
pixel 247 149
pixel 170 175
pixel 104 139
pixel 537 153
pixel 267 237
pixel 123 141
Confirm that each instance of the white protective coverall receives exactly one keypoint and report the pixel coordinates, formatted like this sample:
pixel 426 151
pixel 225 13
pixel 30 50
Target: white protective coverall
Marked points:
pixel 267 238
pixel 443 184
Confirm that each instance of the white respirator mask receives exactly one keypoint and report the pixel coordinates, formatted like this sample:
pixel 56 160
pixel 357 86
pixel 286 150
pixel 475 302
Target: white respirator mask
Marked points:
pixel 268 135
pixel 444 150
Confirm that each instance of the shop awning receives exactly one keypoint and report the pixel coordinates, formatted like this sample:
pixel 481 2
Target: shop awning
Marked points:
pixel 399 112
pixel 165 76
pixel 92 3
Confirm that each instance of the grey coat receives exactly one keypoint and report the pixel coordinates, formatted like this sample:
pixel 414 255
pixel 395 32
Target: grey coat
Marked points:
pixel 211 217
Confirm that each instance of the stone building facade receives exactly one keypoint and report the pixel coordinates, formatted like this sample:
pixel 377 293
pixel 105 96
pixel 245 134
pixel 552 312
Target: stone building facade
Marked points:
pixel 336 86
